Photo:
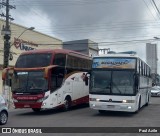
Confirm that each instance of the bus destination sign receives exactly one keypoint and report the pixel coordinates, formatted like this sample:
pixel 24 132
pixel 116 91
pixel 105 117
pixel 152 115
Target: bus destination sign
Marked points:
pixel 123 63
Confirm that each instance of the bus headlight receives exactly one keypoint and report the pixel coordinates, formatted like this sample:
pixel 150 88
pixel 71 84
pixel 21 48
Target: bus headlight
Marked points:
pixel 42 99
pixel 129 107
pixel 128 101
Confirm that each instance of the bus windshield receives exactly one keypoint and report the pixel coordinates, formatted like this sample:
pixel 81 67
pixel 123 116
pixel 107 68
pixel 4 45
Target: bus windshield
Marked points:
pixel 29 82
pixel 33 60
pixel 112 82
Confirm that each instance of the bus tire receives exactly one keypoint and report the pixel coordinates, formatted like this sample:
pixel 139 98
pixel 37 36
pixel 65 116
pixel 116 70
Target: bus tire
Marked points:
pixel 36 109
pixel 139 104
pixel 102 111
pixel 147 101
pixel 67 103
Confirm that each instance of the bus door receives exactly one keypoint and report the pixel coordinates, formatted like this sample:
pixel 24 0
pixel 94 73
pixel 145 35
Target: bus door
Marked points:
pixel 57 77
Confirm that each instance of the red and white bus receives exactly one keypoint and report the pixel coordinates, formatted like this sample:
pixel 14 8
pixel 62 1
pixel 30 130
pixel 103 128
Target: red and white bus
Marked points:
pixel 45 79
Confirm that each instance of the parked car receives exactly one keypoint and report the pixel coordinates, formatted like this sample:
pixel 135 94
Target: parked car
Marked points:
pixel 3 111
pixel 155 91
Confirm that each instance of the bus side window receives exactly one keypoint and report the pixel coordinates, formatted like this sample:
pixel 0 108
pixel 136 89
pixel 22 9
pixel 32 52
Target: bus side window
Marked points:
pixel 136 81
pixel 59 59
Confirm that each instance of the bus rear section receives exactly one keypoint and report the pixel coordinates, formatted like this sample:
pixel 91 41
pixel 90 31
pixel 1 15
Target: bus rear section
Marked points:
pixel 118 84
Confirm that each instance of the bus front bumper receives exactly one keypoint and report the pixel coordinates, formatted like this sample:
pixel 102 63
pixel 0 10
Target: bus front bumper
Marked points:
pixel 127 107
pixel 27 105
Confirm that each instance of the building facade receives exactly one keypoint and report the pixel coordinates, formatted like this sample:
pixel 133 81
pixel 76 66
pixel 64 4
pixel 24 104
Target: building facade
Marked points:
pixel 23 39
pixel 151 59
pixel 85 46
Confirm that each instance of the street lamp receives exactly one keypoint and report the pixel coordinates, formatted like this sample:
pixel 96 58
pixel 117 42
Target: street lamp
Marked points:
pixel 157 38
pixel 30 28
pixel 7 55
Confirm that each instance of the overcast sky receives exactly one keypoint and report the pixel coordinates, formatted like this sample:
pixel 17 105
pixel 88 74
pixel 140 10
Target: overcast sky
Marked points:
pixel 107 22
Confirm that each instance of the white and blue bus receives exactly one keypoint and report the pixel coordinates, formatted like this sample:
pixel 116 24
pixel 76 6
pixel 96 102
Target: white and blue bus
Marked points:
pixel 119 82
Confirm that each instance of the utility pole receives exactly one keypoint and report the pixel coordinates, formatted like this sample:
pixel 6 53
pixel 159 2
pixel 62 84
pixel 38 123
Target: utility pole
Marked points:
pixel 6 32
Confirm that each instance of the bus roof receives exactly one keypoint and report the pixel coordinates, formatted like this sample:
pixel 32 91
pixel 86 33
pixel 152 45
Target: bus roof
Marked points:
pixel 118 55
pixel 65 51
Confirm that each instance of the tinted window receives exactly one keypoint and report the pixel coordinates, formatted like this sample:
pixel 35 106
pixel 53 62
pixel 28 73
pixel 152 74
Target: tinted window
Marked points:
pixel 29 82
pixel 79 63
pixel 101 82
pixel 59 59
pixel 112 82
pixel 33 60
pixel 122 82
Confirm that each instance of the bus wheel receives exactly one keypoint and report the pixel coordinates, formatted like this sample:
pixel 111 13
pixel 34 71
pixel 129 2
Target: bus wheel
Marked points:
pixel 139 105
pixel 67 103
pixel 147 102
pixel 102 111
pixel 36 109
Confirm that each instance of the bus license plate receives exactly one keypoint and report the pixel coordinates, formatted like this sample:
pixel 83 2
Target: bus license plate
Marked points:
pixel 110 106
pixel 26 106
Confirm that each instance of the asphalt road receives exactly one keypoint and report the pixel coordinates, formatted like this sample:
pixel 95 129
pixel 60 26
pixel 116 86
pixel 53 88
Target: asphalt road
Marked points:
pixel 83 116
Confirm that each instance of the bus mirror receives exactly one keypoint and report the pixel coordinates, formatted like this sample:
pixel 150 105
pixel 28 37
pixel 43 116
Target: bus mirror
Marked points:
pixel 4 74
pixel 47 70
pixel 7 73
pixel 86 80
pixel 46 73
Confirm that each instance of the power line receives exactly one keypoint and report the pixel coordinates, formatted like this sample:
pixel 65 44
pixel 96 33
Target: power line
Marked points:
pixel 98 29
pixel 156 6
pixel 149 9
pixel 109 43
pixel 82 28
pixel 71 3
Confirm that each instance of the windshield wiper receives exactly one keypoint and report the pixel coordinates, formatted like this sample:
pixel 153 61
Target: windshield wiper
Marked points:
pixel 117 88
pixel 35 88
pixel 19 89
